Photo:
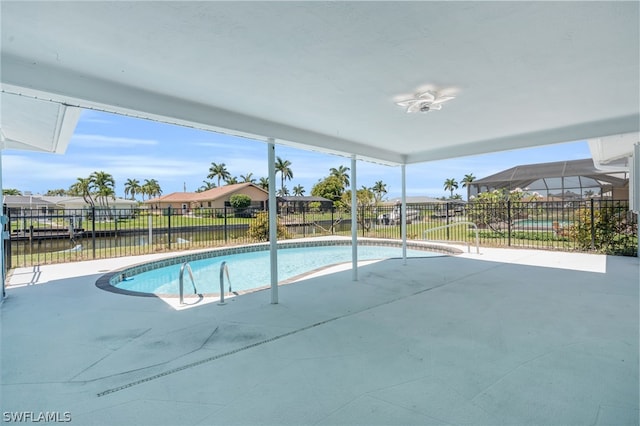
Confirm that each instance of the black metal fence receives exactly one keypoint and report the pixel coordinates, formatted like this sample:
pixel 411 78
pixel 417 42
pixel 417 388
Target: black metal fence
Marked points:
pixel 72 235
pixel 603 226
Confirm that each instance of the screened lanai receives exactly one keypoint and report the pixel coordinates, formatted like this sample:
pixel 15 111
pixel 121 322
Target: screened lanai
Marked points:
pixel 559 181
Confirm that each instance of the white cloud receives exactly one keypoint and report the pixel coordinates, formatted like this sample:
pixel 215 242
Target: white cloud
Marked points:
pixel 100 141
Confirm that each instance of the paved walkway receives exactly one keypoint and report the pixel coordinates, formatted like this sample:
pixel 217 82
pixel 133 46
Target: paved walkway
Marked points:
pixel 511 337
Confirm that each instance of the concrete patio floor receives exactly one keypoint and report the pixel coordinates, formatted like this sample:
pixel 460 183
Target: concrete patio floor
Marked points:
pixel 508 337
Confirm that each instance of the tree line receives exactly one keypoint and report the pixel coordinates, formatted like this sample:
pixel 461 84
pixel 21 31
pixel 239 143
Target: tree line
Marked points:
pixel 452 184
pixel 99 187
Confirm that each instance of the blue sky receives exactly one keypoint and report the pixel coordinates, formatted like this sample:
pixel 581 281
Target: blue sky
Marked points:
pixel 177 156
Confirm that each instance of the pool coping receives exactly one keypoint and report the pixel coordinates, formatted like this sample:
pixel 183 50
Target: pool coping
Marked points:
pixel 109 280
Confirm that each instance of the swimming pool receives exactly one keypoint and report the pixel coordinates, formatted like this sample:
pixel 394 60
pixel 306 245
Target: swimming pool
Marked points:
pixel 249 268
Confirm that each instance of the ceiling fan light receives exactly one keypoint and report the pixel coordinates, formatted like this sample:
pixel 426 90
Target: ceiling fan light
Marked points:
pixel 424 102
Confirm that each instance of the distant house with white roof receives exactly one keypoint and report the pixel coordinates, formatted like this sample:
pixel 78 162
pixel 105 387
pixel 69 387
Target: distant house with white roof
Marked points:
pixel 31 205
pixel 414 200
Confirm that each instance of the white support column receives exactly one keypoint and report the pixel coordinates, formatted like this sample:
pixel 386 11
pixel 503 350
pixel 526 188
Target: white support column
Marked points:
pixel 403 216
pixel 273 222
pixel 634 179
pixel 354 221
pixel 2 264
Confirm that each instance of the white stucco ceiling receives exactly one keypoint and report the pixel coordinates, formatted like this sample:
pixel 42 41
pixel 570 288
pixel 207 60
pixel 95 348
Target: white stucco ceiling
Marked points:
pixel 326 74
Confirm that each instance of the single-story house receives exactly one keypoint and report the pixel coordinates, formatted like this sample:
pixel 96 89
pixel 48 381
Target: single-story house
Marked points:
pixel 184 202
pixel 31 205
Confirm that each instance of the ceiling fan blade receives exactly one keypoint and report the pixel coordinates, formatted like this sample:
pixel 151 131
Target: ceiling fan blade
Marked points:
pixel 406 103
pixel 427 96
pixel 443 99
pixel 435 107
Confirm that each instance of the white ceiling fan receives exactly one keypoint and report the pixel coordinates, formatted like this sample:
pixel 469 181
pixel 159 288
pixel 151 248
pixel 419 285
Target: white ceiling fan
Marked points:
pixel 424 102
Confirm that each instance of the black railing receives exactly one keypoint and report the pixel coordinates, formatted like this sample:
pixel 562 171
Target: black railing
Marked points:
pixel 70 235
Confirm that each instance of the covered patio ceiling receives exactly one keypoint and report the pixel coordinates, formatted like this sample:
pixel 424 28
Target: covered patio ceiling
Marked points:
pixel 326 75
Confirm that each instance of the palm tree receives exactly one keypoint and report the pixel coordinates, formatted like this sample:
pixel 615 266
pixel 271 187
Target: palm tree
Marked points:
pixel 264 183
pixel 248 178
pixel 52 192
pixel 218 171
pixel 151 187
pixel 232 180
pixel 82 188
pixel 450 185
pixel 298 190
pixel 207 186
pixel 283 192
pixel 466 182
pixel 103 185
pixel 132 186
pixel 11 191
pixel 379 189
pixel 282 166
pixel 341 173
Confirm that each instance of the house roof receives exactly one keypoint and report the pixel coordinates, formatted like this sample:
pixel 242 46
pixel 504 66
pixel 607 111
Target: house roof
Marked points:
pixel 327 75
pixel 25 200
pixel 62 199
pixel 416 200
pixel 208 195
pixel 54 200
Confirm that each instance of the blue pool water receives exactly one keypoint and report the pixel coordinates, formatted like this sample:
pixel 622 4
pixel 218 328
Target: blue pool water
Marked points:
pixel 251 270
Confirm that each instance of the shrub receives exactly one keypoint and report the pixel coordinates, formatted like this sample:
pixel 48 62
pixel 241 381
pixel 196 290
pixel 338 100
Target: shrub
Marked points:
pixel 240 201
pixel 612 234
pixel 259 228
pixel 494 209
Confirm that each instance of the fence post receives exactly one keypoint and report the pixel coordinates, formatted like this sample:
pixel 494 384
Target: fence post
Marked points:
pixel 224 219
pixel 93 230
pixel 509 223
pixel 399 219
pixel 7 248
pixel 304 223
pixel 332 222
pixel 447 220
pixel 169 225
pixel 150 225
pixel 593 226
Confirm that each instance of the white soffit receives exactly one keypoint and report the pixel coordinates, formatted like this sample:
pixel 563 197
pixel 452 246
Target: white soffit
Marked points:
pixel 326 75
pixel 36 125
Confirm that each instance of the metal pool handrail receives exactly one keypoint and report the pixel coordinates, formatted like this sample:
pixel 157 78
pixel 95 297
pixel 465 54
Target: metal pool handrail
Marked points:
pixel 223 269
pixel 186 266
pixel 475 228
